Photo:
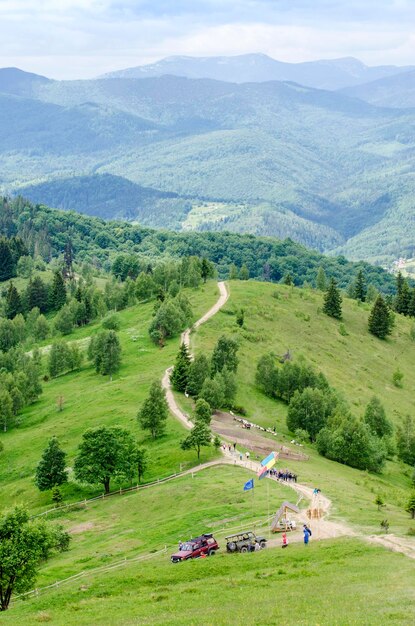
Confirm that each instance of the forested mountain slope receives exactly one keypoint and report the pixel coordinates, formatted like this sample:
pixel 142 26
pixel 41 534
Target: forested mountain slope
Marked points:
pixel 46 232
pixel 274 158
pixel 397 91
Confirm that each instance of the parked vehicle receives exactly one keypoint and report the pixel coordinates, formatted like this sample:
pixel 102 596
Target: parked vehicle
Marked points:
pixel 244 542
pixel 194 548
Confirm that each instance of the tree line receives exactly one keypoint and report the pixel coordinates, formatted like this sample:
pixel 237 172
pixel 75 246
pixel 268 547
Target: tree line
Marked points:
pixel 45 234
pixel 317 413
pixel 381 318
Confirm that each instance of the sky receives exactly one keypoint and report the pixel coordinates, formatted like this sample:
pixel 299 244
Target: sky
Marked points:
pixel 67 39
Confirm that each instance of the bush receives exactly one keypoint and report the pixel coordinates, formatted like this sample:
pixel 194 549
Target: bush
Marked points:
pixel 397 378
pixel 111 322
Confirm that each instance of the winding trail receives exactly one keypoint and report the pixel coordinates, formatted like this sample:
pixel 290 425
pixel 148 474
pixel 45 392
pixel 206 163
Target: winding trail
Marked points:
pixel 323 528
pixel 185 338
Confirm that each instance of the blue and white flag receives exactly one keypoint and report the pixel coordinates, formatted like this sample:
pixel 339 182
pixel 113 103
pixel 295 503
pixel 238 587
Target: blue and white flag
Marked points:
pixel 249 485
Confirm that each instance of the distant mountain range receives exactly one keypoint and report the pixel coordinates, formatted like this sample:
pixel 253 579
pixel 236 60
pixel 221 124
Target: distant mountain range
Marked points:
pixel 323 167
pixel 327 74
pixel 396 91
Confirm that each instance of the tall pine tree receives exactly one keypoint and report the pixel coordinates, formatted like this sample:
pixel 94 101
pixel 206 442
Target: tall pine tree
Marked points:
pixel 380 320
pixel 403 298
pixel 180 375
pixel 6 260
pixel 333 301
pixel 57 294
pixel 359 289
pixel 37 295
pixel 50 471
pixel 13 302
pixel 411 305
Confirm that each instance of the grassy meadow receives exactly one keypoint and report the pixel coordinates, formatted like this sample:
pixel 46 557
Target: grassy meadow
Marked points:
pixel 278 318
pixel 338 582
pixel 332 583
pixel 91 400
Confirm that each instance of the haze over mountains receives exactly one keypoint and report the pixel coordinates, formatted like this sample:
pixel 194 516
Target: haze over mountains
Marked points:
pixel 331 169
pixel 246 68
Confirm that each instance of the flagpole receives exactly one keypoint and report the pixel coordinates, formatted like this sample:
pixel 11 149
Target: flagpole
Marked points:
pixel 268 525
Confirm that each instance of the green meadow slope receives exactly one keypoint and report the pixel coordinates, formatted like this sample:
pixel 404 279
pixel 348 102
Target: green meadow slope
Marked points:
pixel 330 582
pixel 91 400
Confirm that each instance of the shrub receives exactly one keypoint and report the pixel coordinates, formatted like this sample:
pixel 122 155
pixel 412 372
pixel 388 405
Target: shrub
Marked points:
pixel 111 322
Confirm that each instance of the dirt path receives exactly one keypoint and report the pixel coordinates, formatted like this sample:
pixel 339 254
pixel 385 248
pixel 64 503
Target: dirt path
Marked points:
pixel 185 338
pixel 323 528
pixel 224 295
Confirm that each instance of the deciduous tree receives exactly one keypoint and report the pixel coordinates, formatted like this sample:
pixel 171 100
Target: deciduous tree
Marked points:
pixel 24 544
pixel 224 354
pixel 105 453
pixel 153 414
pixel 200 436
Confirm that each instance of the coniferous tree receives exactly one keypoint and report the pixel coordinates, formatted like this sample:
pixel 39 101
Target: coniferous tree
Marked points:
pixel 321 279
pixel 207 269
pixel 403 298
pixel 37 294
pixel 399 282
pixel 359 289
pixel 57 294
pixel 153 414
pixel 6 260
pixel 13 302
pixel 288 280
pixel 380 320
pixel 50 471
pixel 411 305
pixel 333 301
pixel 180 375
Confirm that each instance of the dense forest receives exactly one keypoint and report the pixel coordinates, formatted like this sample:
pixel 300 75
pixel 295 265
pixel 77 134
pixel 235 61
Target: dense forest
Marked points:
pixel 45 233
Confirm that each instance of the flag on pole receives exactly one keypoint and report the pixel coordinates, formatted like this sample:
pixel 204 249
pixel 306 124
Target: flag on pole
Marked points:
pixel 263 471
pixel 249 485
pixel 269 461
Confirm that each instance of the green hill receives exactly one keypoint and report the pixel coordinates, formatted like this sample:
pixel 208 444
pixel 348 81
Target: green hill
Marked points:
pixel 123 527
pixel 111 197
pixel 323 164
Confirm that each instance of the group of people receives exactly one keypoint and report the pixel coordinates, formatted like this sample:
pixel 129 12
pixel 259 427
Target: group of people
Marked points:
pixel 283 475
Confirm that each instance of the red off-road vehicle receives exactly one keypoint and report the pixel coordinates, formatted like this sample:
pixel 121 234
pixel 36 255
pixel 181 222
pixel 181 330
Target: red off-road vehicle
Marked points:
pixel 205 544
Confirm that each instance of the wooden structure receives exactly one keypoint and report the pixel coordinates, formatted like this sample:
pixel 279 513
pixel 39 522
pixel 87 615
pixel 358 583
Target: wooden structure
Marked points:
pixel 281 521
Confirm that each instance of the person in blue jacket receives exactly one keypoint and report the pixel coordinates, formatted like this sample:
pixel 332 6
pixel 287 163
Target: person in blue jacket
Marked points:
pixel 307 534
